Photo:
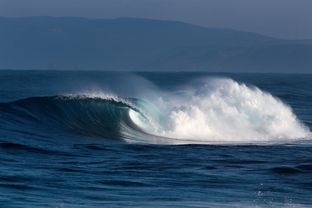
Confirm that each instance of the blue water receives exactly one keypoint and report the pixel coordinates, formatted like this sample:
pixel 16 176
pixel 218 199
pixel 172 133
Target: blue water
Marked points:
pixel 104 139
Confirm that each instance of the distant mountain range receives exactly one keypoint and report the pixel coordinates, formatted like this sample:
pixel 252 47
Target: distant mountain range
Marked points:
pixel 143 45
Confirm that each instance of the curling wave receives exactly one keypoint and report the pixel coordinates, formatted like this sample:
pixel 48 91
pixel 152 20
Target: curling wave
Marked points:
pixel 215 111
pixel 105 116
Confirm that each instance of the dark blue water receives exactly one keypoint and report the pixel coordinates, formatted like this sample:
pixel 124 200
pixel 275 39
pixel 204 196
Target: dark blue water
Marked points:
pixel 103 139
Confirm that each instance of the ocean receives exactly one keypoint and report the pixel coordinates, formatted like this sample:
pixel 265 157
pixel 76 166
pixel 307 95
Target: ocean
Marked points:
pixel 181 139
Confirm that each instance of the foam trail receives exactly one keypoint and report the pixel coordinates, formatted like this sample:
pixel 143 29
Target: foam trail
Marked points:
pixel 224 111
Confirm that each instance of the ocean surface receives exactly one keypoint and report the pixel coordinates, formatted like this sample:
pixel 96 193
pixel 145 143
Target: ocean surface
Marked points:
pixel 116 139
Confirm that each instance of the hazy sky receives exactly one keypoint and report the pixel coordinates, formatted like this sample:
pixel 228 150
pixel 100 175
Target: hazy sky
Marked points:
pixel 279 18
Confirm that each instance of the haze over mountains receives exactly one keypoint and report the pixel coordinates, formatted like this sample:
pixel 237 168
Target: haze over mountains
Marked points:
pixel 143 45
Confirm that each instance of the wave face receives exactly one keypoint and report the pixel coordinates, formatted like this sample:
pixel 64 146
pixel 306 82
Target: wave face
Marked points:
pixel 211 111
pixel 104 116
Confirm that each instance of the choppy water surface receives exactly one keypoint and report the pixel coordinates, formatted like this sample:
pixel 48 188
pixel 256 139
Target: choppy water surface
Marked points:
pixel 95 139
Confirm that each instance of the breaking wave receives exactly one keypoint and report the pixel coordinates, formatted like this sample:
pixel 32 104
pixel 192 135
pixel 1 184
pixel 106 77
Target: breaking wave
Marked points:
pixel 220 111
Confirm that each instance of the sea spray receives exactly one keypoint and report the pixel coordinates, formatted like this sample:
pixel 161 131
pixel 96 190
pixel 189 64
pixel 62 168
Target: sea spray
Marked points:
pixel 225 111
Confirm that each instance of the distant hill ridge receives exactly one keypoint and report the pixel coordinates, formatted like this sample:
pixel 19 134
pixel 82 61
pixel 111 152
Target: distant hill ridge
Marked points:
pixel 143 45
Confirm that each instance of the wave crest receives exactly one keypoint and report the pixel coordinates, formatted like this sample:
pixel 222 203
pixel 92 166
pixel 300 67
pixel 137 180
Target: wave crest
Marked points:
pixel 216 111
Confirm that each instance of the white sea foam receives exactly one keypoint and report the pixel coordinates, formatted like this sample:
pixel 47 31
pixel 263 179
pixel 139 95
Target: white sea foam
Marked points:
pixel 94 94
pixel 223 111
